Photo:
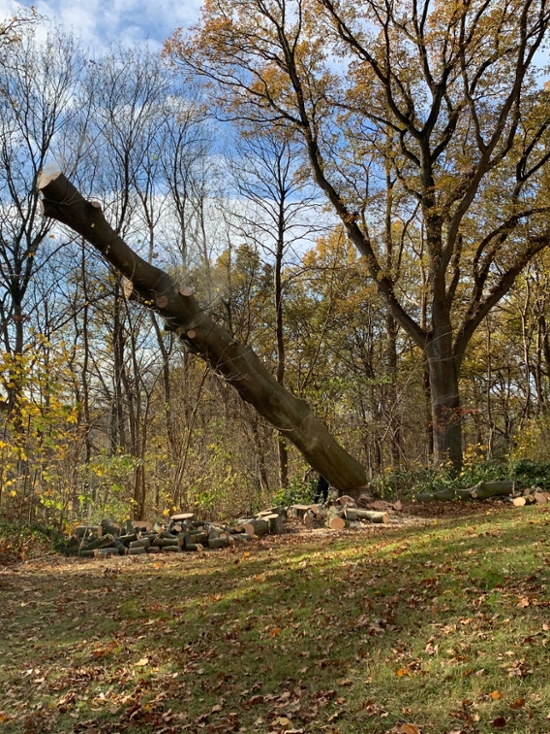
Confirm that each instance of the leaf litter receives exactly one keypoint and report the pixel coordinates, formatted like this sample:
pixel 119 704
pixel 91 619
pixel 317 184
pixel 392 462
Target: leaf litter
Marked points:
pixel 423 624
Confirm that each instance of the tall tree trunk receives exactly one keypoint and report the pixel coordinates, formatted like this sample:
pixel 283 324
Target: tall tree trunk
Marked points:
pixel 446 411
pixel 238 364
pixel 279 331
pixel 391 400
pixel 118 424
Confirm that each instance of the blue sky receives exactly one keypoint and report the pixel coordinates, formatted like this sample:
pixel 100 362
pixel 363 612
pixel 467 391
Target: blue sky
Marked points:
pixel 98 22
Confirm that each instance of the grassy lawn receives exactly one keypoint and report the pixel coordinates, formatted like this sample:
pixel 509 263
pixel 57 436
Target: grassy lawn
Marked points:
pixel 445 627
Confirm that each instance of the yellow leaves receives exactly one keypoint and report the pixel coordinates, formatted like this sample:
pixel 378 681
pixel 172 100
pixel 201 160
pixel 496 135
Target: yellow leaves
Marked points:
pixel 141 663
pixel 403 672
pixel 495 695
pixel 275 632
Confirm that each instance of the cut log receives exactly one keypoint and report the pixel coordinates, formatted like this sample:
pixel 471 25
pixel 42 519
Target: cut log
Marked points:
pixel 110 527
pixel 199 536
pixel 351 514
pixel 448 494
pixel 373 516
pixel 153 549
pixel 171 548
pixel 216 543
pixel 136 551
pixel 276 523
pixel 168 543
pixel 141 543
pixel 481 491
pixel 541 498
pixel 484 490
pixel 103 542
pixel 127 539
pixel 256 527
pixel 309 519
pixel 168 536
pixel 519 501
pixel 336 523
pixel 189 542
pixel 119 546
pixel 182 517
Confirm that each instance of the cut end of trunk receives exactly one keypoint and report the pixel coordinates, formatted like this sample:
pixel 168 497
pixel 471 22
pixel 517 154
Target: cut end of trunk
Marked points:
pixel 337 523
pixel 47 176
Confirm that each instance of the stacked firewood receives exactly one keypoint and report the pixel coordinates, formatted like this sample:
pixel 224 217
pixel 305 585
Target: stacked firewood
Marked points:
pixel 182 533
pixel 344 512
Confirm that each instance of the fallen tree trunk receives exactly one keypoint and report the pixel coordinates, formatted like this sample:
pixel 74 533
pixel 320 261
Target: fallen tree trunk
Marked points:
pixel 481 491
pixel 238 364
pixel 484 490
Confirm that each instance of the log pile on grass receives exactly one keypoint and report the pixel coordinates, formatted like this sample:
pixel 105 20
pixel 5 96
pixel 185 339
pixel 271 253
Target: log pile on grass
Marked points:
pixel 504 489
pixel 345 512
pixel 182 533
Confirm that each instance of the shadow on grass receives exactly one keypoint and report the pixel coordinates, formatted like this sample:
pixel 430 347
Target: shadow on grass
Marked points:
pixel 351 634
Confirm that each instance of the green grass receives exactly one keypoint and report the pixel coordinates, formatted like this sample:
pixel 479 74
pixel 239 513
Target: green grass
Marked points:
pixel 444 627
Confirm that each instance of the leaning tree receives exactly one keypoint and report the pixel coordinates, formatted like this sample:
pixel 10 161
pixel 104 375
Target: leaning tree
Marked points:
pixel 183 315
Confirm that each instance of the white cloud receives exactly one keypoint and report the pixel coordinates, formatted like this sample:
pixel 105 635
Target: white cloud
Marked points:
pixel 99 23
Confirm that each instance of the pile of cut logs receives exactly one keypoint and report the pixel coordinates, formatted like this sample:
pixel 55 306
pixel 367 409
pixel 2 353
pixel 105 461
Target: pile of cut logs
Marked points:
pixel 344 512
pixel 504 489
pixel 182 533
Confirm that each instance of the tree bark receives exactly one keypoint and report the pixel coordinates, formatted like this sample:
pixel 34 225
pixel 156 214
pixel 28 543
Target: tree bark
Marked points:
pixel 446 412
pixel 238 364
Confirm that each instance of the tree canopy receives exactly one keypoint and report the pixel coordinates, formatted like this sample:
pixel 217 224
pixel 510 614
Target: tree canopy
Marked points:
pixel 435 113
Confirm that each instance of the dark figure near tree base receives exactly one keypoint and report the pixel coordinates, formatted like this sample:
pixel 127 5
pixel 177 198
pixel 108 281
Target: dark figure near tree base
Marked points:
pixel 322 489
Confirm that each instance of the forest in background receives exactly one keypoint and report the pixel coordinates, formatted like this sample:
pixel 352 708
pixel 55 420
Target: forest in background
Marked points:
pixel 104 413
